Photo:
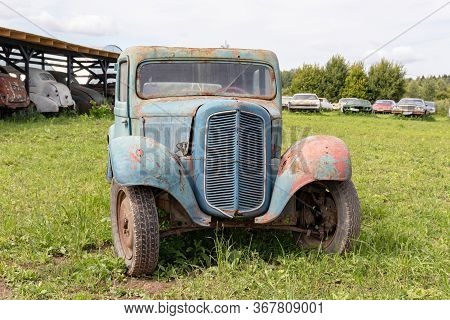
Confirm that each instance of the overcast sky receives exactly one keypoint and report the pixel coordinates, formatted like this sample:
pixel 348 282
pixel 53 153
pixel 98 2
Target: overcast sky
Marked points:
pixel 297 31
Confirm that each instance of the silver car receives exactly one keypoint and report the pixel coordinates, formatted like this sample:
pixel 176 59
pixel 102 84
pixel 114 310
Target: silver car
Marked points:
pixel 410 107
pixel 47 94
pixel 430 106
pixel 304 101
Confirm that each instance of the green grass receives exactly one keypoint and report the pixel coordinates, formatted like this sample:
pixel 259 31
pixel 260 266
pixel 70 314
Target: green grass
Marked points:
pixel 55 238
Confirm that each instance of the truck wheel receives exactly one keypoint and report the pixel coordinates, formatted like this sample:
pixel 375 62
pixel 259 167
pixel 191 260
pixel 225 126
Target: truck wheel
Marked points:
pixel 331 213
pixel 135 228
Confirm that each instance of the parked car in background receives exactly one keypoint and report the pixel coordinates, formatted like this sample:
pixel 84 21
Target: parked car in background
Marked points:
pixel 354 105
pixel 285 100
pixel 410 106
pixel 430 106
pixel 304 101
pixel 325 104
pixel 13 94
pixel 97 85
pixel 383 106
pixel 47 94
pixel 336 106
pixel 82 95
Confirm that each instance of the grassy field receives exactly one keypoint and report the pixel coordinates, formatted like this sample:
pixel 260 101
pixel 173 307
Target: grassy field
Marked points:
pixel 55 240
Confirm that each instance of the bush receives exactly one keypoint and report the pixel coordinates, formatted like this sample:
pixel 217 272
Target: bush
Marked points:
pixel 100 111
pixel 442 107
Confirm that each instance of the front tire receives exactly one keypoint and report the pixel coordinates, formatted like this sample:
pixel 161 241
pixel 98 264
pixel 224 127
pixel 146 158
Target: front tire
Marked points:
pixel 331 212
pixel 135 228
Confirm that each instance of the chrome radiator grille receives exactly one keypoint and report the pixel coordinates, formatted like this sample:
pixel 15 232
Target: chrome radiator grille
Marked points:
pixel 220 161
pixel 235 165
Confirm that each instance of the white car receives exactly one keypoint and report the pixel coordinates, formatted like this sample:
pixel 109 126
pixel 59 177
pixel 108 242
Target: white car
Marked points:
pixel 325 104
pixel 304 101
pixel 47 94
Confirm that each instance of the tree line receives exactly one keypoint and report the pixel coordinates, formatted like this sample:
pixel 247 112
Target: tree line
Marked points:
pixel 383 80
pixel 430 88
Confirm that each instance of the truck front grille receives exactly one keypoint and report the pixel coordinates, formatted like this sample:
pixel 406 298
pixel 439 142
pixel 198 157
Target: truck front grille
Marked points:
pixel 235 164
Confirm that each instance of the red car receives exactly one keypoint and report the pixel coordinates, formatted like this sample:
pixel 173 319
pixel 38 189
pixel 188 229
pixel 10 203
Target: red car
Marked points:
pixel 383 106
pixel 12 92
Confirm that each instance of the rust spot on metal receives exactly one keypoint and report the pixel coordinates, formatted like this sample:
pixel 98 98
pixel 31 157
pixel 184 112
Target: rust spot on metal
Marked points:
pixel 134 157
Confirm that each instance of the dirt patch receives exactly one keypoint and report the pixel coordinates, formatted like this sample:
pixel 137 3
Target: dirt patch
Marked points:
pixel 150 286
pixel 5 293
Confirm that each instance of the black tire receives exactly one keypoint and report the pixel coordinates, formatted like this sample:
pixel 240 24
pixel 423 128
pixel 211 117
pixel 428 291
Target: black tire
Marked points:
pixel 346 210
pixel 136 241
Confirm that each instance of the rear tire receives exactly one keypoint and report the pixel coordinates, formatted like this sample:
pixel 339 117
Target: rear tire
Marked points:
pixel 336 221
pixel 135 228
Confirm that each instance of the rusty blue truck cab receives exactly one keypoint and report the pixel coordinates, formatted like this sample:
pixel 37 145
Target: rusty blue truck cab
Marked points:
pixel 197 134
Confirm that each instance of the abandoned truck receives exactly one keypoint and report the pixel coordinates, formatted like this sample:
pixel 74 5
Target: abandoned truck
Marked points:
pixel 196 141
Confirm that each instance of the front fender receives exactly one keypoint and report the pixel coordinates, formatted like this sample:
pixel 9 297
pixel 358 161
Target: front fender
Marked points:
pixel 311 159
pixel 44 104
pixel 143 161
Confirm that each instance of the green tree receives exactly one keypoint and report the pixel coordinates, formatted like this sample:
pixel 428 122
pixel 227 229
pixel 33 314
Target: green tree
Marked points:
pixel 413 89
pixel 356 82
pixel 308 78
pixel 386 81
pixel 334 77
pixel 286 78
pixel 443 89
pixel 429 89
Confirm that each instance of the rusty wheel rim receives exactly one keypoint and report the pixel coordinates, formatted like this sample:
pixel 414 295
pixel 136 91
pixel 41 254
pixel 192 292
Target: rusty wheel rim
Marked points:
pixel 323 212
pixel 125 224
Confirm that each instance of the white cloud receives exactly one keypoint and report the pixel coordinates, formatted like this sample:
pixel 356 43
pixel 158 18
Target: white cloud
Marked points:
pixel 297 31
pixel 405 55
pixel 91 25
pixel 7 14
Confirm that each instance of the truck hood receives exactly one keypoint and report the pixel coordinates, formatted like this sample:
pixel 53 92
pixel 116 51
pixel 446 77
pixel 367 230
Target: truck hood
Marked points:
pixel 169 121
pixel 187 107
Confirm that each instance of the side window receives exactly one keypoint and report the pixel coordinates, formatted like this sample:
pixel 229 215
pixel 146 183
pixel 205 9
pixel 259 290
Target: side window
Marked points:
pixel 123 78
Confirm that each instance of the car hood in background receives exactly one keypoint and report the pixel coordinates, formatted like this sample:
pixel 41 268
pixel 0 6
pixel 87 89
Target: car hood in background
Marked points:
pixel 77 89
pixel 13 89
pixel 305 102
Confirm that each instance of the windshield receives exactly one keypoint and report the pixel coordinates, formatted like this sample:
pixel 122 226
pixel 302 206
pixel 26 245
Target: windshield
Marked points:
pixel 384 102
pixel 348 101
pixel 364 102
pixel 177 79
pixel 46 76
pixel 305 97
pixel 416 102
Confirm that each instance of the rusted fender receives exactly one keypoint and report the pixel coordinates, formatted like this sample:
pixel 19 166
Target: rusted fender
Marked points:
pixel 142 161
pixel 311 159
